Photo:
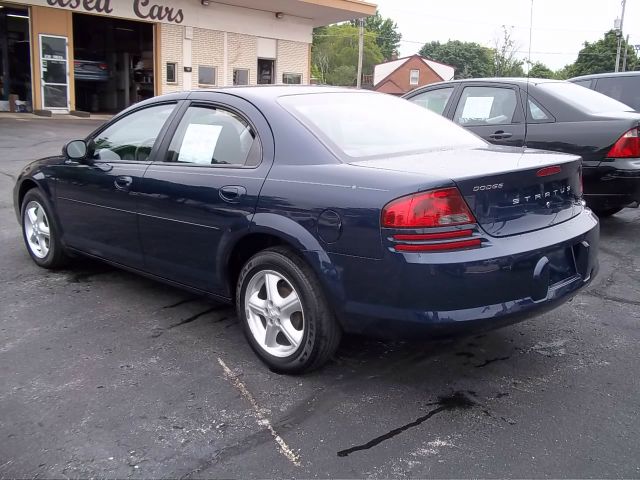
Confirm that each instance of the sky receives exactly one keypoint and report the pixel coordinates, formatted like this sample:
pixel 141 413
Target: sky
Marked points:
pixel 560 27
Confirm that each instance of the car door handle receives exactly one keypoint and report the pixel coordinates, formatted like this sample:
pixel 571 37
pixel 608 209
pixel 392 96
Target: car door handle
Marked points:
pixel 123 182
pixel 232 193
pixel 500 134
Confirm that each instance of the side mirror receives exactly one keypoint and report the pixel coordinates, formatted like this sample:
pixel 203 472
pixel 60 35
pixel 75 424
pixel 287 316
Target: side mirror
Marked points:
pixel 76 150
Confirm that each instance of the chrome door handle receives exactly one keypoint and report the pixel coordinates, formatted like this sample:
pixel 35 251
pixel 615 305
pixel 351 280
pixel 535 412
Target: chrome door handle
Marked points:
pixel 123 182
pixel 232 193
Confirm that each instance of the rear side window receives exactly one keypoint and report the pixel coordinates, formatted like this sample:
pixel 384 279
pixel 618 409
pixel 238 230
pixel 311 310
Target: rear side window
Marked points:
pixel 486 106
pixel 434 100
pixel 214 136
pixel 623 89
pixel 583 83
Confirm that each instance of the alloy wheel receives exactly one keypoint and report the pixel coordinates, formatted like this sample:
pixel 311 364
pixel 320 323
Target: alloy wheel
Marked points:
pixel 274 312
pixel 36 229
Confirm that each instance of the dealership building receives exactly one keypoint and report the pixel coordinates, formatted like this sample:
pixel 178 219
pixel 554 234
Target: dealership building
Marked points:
pixel 103 55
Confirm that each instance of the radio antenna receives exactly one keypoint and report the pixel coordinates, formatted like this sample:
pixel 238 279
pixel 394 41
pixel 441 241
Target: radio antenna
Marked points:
pixel 526 107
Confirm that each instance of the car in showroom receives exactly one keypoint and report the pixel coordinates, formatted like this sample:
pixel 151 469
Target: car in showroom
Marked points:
pixel 622 86
pixel 317 211
pixel 551 115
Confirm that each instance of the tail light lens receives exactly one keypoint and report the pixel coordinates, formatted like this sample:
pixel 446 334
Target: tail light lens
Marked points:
pixel 627 146
pixel 103 66
pixel 435 208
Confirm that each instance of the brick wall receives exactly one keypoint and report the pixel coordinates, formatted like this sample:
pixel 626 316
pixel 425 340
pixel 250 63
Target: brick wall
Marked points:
pixel 171 51
pixel 293 57
pixel 242 53
pixel 207 48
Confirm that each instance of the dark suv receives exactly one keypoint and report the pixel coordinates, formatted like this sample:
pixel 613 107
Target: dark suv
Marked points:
pixel 623 86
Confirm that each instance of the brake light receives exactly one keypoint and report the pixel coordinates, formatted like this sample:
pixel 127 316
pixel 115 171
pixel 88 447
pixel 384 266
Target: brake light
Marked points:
pixel 439 247
pixel 627 146
pixel 436 208
pixel 103 66
pixel 548 171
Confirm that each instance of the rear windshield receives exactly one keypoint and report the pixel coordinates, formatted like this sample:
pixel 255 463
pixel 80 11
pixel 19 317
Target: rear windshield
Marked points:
pixel 623 88
pixel 582 98
pixel 367 125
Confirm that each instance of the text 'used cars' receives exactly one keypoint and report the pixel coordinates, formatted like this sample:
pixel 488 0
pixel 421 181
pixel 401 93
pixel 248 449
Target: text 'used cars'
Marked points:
pixel 317 211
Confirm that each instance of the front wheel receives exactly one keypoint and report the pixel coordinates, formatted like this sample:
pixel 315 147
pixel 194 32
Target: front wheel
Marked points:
pixel 284 313
pixel 40 232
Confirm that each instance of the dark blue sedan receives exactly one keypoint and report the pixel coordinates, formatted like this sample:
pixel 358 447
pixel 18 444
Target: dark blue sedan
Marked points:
pixel 317 211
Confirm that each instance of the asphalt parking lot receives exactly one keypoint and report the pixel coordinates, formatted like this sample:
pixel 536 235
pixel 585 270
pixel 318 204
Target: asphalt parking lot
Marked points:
pixel 106 374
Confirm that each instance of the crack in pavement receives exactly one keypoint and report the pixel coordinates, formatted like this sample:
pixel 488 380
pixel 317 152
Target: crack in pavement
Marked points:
pixel 604 296
pixel 12 177
pixel 491 360
pixel 456 401
pixel 181 302
pixel 198 315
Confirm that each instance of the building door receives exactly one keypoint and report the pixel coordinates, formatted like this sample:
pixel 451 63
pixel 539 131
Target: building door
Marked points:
pixel 54 67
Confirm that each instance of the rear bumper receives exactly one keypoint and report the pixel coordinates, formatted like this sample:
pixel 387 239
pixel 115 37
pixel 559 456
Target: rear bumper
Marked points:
pixel 613 184
pixel 489 287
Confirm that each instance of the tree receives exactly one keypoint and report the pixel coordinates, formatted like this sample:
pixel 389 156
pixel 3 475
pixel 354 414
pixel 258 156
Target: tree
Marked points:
pixel 386 33
pixel 335 54
pixel 600 56
pixel 505 60
pixel 470 59
pixel 540 70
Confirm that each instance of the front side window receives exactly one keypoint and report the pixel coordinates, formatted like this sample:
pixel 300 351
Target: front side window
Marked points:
pixel 359 125
pixel 206 75
pixel 132 137
pixel 434 100
pixel 414 77
pixel 240 76
pixel 291 78
pixel 486 106
pixel 213 136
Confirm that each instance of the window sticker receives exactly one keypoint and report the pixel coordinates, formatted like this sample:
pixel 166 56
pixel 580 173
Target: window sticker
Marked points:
pixel 199 143
pixel 476 108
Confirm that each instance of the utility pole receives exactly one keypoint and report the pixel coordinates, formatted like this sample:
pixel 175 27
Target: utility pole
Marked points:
pixel 624 59
pixel 360 51
pixel 624 4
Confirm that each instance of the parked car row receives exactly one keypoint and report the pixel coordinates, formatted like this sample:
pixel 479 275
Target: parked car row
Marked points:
pixel 551 115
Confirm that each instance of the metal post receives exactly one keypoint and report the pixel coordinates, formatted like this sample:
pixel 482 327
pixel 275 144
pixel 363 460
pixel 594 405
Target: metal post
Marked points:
pixel 624 58
pixel 360 52
pixel 624 4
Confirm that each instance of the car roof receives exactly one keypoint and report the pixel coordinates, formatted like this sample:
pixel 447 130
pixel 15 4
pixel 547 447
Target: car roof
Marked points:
pixel 274 91
pixel 604 75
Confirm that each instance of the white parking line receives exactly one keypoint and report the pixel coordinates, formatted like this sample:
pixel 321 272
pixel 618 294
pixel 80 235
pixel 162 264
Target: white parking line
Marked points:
pixel 263 421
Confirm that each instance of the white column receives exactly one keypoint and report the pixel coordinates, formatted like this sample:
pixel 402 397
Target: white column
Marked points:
pixel 225 61
pixel 186 58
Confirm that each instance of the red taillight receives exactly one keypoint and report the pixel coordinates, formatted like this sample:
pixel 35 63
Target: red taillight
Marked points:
pixel 627 146
pixel 548 171
pixel 103 66
pixel 436 208
pixel 417 237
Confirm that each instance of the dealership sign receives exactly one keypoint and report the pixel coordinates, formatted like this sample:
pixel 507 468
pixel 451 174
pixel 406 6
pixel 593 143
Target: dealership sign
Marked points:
pixel 143 9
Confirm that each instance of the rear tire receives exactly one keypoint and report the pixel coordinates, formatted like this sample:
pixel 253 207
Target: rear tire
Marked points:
pixel 40 232
pixel 284 313
pixel 606 212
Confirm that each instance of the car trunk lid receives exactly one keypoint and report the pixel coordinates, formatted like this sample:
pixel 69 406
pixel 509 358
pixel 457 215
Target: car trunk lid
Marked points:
pixel 509 191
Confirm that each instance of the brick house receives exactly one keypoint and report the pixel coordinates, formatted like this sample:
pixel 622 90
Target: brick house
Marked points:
pixel 402 75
